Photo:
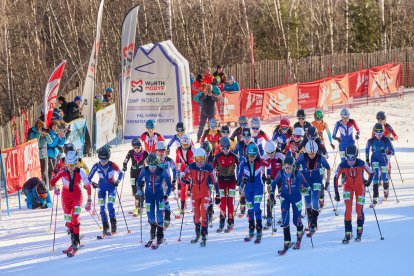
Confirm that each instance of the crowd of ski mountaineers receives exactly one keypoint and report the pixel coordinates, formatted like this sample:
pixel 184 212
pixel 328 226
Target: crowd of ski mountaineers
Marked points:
pixel 289 165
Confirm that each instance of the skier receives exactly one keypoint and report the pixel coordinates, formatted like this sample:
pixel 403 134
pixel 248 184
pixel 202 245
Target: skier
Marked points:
pixel 176 140
pixel 290 185
pixel 72 196
pixel 225 132
pixel 275 160
pixel 150 137
pixel 300 114
pixel 61 164
pixel 282 134
pixel 197 174
pixel 238 132
pixel 380 147
pixel 212 134
pixel 225 163
pixel 345 127
pixel 250 172
pixel 168 165
pixel 37 194
pixel 310 165
pixel 156 194
pixel 138 157
pixel 107 186
pixel 259 136
pixel 183 158
pixel 206 146
pixel 353 168
pixel 388 130
pixel 293 147
pixel 322 126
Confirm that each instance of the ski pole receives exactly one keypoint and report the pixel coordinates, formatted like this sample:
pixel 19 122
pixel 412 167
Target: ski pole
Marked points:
pixel 375 213
pixel 395 193
pixel 122 187
pixel 398 166
pixel 309 231
pixel 54 231
pixel 122 209
pixel 97 223
pixel 242 193
pixel 140 221
pixel 181 228
pixel 336 153
pixel 330 197
pixel 51 213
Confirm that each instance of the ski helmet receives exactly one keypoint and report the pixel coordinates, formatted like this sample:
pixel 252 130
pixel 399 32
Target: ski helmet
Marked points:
pixel 150 124
pixel 225 130
pixel 255 123
pixel 311 147
pixel 243 120
pixel 213 123
pixel 136 142
pixel 71 157
pixel 225 142
pixel 109 90
pixel 199 155
pixel 270 147
pixel 284 123
pixel 206 146
pixel 180 127
pixel 300 114
pixel 351 152
pixel 252 149
pixel 378 127
pixel 311 133
pixel 345 113
pixel 152 159
pixel 104 153
pixel 68 147
pixel 160 145
pixel 298 131
pixel 289 160
pixel 185 140
pixel 318 114
pixel 246 132
pixel 381 115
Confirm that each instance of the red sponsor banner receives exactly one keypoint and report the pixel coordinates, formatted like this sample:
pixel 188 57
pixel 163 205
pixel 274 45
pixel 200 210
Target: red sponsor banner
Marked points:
pixel 308 94
pixel 393 76
pixel 384 80
pixel 51 92
pixel 251 103
pixel 280 100
pixel 228 107
pixel 21 163
pixel 358 83
pixel 333 91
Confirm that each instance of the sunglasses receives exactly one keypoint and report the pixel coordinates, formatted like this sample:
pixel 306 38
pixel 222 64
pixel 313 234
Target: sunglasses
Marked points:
pixel 71 166
pixel 301 118
pixel 255 128
pixel 379 134
pixel 103 160
pixel 345 118
pixel 152 167
pixel 199 159
pixel 180 132
pixel 318 119
pixel 312 154
pixel 243 125
pixel 161 150
pixel 284 128
pixel 225 132
pixel 225 148
pixel 137 147
pixel 297 136
pixel 288 167
pixel 251 156
pixel 273 152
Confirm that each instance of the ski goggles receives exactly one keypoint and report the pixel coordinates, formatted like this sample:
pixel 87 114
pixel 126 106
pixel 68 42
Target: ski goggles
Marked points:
pixel 103 160
pixel 225 148
pixel 152 167
pixel 284 129
pixel 243 124
pixel 199 159
pixel 301 118
pixel 379 134
pixel 297 136
pixel 351 161
pixel 288 167
pixel 70 166
pixel 255 128
pixel 246 138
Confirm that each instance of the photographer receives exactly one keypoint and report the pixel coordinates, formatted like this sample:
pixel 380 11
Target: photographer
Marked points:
pixel 207 102
pixel 38 131
pixel 54 148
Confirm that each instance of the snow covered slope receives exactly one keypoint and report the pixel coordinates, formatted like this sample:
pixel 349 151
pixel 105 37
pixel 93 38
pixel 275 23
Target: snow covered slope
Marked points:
pixel 26 243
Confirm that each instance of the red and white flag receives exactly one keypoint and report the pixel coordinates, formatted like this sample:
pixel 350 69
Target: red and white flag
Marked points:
pixel 51 92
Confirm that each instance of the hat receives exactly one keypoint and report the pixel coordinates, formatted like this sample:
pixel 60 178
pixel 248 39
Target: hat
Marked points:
pixel 61 98
pixel 230 78
pixel 77 98
pixel 219 66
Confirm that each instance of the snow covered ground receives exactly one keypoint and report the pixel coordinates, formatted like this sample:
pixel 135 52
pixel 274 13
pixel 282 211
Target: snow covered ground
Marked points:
pixel 26 242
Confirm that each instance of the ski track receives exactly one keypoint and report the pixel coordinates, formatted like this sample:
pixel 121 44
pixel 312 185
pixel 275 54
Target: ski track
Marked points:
pixel 26 239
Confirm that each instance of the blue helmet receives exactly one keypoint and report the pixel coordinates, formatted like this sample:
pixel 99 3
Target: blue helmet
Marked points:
pixel 77 98
pixel 109 89
pixel 150 124
pixel 252 149
pixel 136 142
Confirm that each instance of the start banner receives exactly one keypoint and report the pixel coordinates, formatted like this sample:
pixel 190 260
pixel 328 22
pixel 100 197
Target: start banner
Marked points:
pixel 21 163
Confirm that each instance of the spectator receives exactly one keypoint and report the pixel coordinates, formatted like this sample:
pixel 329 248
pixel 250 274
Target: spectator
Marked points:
pixel 97 103
pixel 195 88
pixel 63 105
pixel 107 98
pixel 208 77
pixel 55 148
pixel 218 72
pixel 231 85
pixel 37 194
pixel 74 109
pixel 191 78
pixel 215 87
pixel 38 131
pixel 208 108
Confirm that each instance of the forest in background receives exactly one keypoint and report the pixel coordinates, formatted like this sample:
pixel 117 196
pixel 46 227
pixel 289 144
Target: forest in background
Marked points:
pixel 36 35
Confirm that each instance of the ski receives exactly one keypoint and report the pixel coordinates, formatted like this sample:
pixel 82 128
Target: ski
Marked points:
pixel 358 239
pixel 285 249
pixel 103 236
pixel 149 243
pixel 195 240
pixel 73 252
pixel 258 239
pixel 69 249
pixel 248 238
pixel 203 242
pixel 228 229
pixel 220 229
pixel 156 244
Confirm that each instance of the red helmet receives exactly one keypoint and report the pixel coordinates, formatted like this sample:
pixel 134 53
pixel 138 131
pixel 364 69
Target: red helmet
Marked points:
pixel 285 122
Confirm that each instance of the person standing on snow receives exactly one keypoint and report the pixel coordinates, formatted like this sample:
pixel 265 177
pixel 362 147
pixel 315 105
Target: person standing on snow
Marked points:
pixel 282 134
pixel 293 147
pixel 138 157
pixel 71 178
pixel 322 126
pixel 176 140
pixel 345 127
pixel 207 100
pixel 301 115
pixel 259 136
pixel 353 168
pixel 156 194
pixel 107 186
pixel 212 134
pixel 151 137
pixel 238 132
pixel 198 174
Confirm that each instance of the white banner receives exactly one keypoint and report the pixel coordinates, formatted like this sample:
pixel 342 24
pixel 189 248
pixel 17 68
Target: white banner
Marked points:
pixel 106 125
pixel 129 28
pixel 89 86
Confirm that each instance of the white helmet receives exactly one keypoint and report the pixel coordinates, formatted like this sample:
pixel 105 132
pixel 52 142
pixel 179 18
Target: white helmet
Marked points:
pixel 160 145
pixel 255 122
pixel 311 147
pixel 71 157
pixel 298 131
pixel 199 152
pixel 185 140
pixel 270 146
pixel 344 112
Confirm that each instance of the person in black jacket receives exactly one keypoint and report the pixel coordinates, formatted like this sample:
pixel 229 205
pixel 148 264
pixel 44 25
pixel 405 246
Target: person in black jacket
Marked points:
pixel 63 106
pixel 208 108
pixel 73 109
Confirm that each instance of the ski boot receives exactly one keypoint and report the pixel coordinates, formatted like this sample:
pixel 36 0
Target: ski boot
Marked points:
pixel 230 226
pixel 251 231
pixel 160 237
pixel 197 231
pixel 259 231
pixel 221 224
pixel 321 202
pixel 203 240
pixel 386 191
pixel 347 238
pixel 105 229
pixel 152 235
pixel 286 246
pixel 299 235
pixel 75 242
pixel 113 226
pixel 268 223
pixel 136 212
pixel 359 233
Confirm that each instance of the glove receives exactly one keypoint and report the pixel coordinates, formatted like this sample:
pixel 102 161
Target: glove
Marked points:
pixel 124 168
pixel 333 146
pixel 179 185
pixel 327 186
pixel 139 192
pixel 55 170
pixel 88 205
pixel 268 180
pixel 338 139
pixel 382 151
pixel 396 138
pixel 181 211
pixel 244 180
pixel 189 193
pixel 272 199
pixel 217 200
pixel 165 198
pixel 57 192
pixel 366 183
pixel 337 197
pixel 303 190
pixel 357 136
pixel 60 149
pixel 116 183
pixel 173 185
pixel 263 178
pixel 94 185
